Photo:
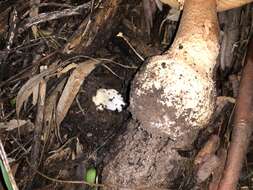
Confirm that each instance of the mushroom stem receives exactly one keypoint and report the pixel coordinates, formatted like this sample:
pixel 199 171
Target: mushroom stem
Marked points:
pixel 198 34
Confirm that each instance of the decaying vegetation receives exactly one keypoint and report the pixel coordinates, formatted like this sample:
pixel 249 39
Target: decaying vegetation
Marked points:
pixel 170 82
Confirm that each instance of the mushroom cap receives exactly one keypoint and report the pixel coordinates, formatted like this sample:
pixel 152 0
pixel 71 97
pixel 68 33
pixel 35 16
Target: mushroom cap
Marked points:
pixel 222 5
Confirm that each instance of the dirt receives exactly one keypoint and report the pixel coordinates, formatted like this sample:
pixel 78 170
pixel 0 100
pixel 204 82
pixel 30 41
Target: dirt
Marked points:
pixel 92 125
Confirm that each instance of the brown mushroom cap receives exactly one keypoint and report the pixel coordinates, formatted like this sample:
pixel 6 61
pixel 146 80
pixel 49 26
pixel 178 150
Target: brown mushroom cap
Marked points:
pixel 222 5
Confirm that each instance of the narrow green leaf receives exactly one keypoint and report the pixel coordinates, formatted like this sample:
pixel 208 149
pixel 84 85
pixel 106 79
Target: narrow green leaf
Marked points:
pixel 5 176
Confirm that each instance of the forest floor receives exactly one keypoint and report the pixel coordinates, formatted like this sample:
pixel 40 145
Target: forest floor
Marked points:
pixel 50 126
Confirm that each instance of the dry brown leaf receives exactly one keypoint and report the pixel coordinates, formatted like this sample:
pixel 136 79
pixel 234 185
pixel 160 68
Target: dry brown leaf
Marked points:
pixel 32 87
pixel 72 87
pixel 33 13
pixel 66 69
pixel 27 90
pixel 35 94
pixel 206 168
pixel 207 150
pixel 42 91
pixel 50 107
pixel 13 124
pixel 64 153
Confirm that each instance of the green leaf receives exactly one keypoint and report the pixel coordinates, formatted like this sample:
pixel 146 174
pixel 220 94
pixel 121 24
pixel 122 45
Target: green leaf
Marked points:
pixel 90 176
pixel 5 176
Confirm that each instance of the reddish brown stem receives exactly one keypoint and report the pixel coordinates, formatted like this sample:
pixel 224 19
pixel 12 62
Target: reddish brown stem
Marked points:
pixel 243 122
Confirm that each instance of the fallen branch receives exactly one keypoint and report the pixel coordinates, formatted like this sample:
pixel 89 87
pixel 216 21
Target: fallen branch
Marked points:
pixel 243 121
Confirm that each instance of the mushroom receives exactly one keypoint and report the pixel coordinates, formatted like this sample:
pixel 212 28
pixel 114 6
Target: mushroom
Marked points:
pixel 172 98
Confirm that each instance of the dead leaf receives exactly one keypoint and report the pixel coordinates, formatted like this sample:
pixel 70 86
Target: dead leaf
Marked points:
pixel 208 150
pixel 66 69
pixel 35 94
pixel 13 124
pixel 207 167
pixel 64 153
pixel 50 107
pixel 27 90
pixel 72 87
pixel 32 87
pixel 42 91
pixel 33 13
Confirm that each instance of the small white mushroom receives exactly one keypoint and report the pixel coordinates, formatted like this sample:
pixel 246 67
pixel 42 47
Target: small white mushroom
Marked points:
pixel 109 99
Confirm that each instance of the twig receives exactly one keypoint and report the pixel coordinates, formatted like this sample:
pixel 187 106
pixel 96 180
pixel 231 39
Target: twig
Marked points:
pixel 53 4
pixel 43 17
pixel 104 186
pixel 121 35
pixel 13 25
pixel 63 181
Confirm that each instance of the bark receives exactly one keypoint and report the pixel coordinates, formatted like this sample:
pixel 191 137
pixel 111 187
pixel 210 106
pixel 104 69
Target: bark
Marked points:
pixel 96 29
